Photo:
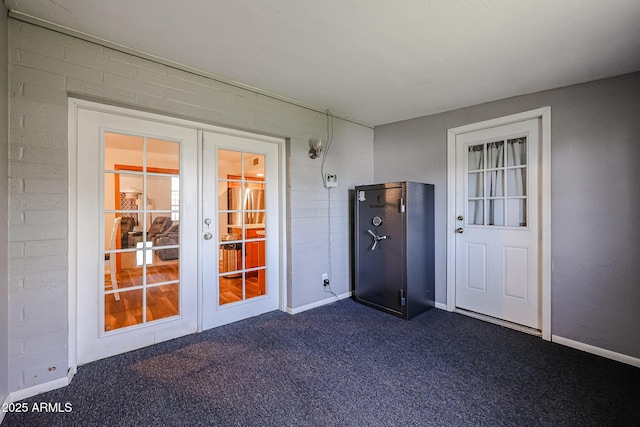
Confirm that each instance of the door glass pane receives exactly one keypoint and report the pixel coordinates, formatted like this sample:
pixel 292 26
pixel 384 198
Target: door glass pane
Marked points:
pixel 122 191
pixel 255 184
pixel 495 212
pixel 517 182
pixel 167 244
pixel 159 192
pixel 231 288
pixel 253 166
pixel 163 156
pixel 111 194
pixel 224 226
pixel 495 183
pixel 122 309
pixel 234 203
pixel 261 283
pixel 130 274
pixel 162 301
pixel 162 271
pixel 475 184
pixel 517 152
pixel 517 212
pixel 112 231
pixel 254 214
pixel 476 212
pixel 255 231
pixel 495 155
pixel 229 164
pixel 231 257
pixel 224 191
pixel 255 254
pixel 175 198
pixel 122 149
pixel 255 285
pixel 475 157
pixel 141 230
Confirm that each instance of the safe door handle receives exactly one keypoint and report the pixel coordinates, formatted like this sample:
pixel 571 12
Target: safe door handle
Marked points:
pixel 376 239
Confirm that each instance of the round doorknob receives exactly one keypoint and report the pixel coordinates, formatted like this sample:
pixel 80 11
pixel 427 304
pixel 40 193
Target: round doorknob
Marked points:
pixel 459 230
pixel 208 236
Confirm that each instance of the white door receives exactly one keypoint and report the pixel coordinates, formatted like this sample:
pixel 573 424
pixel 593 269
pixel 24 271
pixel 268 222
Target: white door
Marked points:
pixel 240 246
pixel 136 272
pixel 497 223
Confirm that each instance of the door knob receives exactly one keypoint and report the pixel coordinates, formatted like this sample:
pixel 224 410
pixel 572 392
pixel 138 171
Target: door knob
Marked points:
pixel 208 236
pixel 459 217
pixel 459 230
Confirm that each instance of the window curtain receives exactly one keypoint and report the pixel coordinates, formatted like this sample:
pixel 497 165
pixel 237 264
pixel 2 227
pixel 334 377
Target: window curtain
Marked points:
pixel 476 163
pixel 495 183
pixel 516 181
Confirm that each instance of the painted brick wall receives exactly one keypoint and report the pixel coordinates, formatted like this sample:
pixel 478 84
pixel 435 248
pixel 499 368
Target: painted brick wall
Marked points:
pixel 4 112
pixel 44 67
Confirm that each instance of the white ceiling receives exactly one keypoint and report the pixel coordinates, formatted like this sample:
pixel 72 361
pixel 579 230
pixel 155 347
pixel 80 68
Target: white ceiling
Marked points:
pixel 375 61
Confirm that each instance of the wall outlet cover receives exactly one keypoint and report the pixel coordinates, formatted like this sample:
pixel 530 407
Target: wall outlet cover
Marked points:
pixel 331 180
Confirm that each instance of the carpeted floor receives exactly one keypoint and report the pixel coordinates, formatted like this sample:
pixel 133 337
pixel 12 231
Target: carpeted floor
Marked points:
pixel 345 364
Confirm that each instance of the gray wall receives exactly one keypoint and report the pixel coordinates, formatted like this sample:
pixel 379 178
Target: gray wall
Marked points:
pixel 595 149
pixel 45 67
pixel 4 148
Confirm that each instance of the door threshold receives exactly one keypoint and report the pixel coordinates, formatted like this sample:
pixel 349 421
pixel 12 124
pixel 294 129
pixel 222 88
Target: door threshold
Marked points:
pixel 500 322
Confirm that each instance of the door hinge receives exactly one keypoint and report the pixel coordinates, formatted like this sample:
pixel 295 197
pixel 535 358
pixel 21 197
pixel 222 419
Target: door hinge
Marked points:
pixel 403 300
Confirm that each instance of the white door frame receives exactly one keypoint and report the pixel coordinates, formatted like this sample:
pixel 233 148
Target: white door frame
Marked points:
pixel 74 105
pixel 544 170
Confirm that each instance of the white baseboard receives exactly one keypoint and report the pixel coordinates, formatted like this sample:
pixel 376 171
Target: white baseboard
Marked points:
pixel 629 360
pixel 333 299
pixel 71 372
pixel 318 303
pixel 37 389
pixel 597 350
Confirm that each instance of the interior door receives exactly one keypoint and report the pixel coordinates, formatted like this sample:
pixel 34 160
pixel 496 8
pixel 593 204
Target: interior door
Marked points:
pixel 240 239
pixel 136 258
pixel 497 236
pixel 380 248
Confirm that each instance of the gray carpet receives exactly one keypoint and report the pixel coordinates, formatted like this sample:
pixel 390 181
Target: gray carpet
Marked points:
pixel 345 364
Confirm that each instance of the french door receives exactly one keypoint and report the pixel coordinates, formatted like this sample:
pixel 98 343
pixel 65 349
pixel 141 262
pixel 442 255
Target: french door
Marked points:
pixel 497 223
pixel 240 255
pixel 177 228
pixel 136 276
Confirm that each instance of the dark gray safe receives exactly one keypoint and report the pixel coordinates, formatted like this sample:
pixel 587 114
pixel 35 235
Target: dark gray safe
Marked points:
pixel 394 247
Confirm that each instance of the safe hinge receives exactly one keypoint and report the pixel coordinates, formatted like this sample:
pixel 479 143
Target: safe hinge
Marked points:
pixel 403 300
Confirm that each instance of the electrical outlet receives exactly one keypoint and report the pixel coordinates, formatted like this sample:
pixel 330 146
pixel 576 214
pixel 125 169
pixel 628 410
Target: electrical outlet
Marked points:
pixel 331 180
pixel 325 279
